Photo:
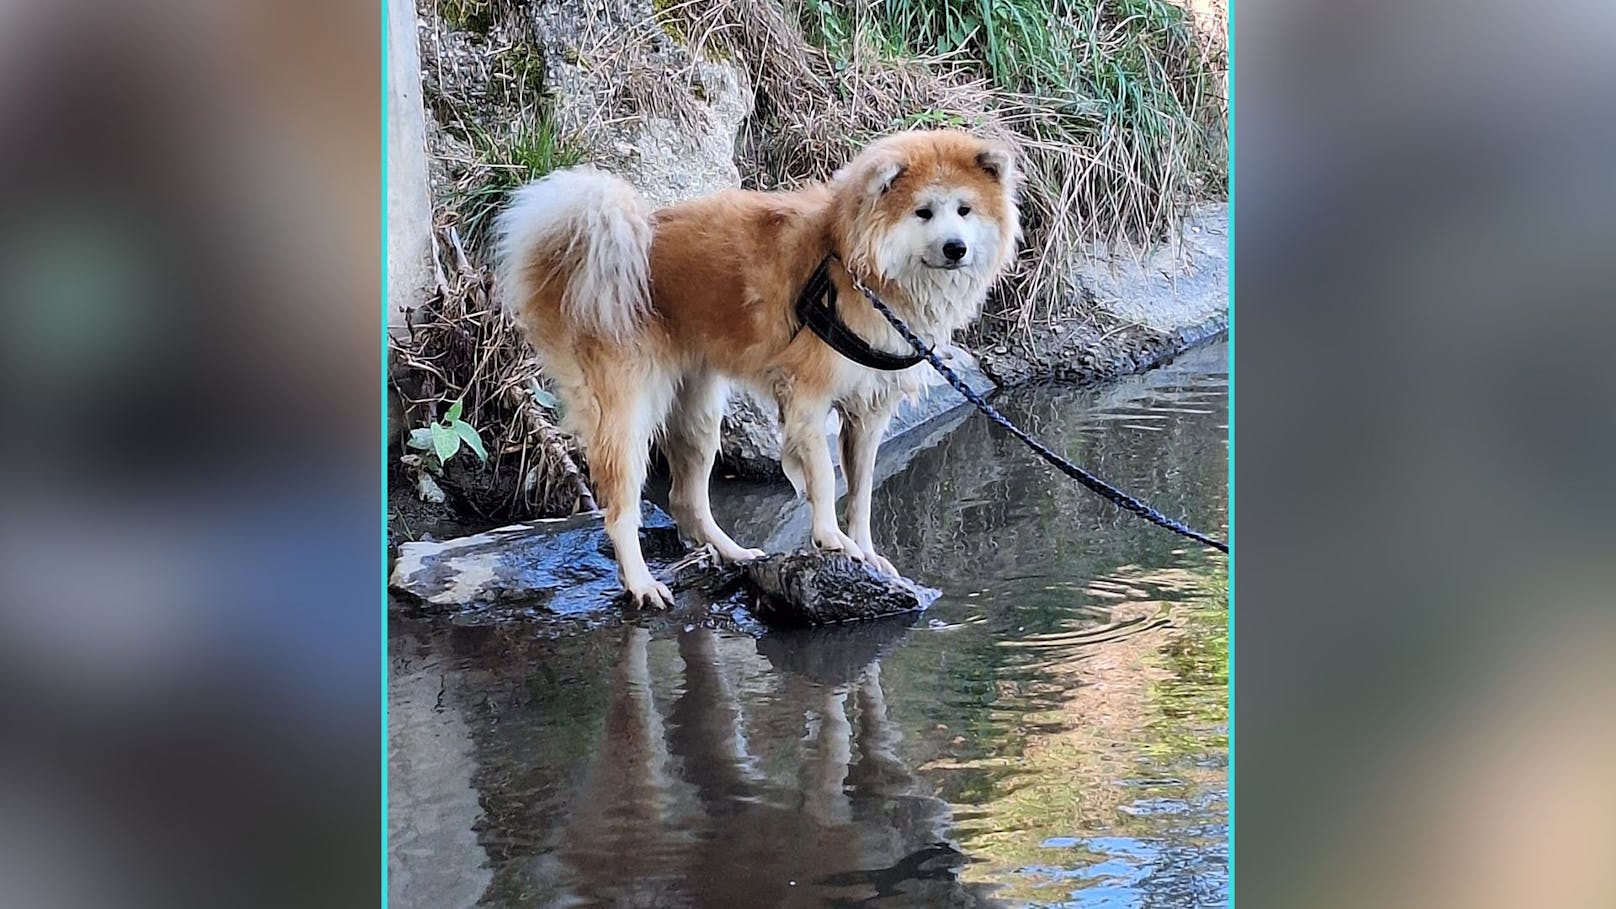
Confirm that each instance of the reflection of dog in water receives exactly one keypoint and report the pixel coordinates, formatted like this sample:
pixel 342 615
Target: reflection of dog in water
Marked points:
pixel 643 318
pixel 680 808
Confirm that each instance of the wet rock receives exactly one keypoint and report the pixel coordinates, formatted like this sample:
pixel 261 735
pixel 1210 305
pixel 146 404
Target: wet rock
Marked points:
pixel 938 397
pixel 566 567
pixel 560 566
pixel 1099 351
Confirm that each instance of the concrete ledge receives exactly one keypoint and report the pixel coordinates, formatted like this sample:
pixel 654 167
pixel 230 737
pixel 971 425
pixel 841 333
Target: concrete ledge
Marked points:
pixel 751 434
pixel 1143 307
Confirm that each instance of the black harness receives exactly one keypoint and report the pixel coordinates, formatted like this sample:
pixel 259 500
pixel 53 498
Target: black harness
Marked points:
pixel 816 310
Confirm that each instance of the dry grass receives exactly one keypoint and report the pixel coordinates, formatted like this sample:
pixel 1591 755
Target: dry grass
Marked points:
pixel 462 347
pixel 813 109
pixel 484 86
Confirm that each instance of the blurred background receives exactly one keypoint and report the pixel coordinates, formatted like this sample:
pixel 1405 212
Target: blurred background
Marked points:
pixel 1425 219
pixel 190 257
pixel 191 264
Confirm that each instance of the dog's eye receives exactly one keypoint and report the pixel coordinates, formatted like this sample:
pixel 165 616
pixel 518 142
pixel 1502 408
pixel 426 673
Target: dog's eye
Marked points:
pixel 964 210
pixel 923 214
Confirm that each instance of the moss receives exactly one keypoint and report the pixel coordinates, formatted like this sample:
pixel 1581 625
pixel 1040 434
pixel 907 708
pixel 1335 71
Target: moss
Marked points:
pixel 661 13
pixel 528 67
pixel 468 15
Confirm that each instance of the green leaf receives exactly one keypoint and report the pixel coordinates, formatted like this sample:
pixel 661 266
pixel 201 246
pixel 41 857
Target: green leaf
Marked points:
pixel 444 442
pixel 546 400
pixel 466 431
pixel 420 438
pixel 454 411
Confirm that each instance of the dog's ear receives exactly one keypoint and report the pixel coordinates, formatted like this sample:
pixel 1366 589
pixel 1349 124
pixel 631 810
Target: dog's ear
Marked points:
pixel 999 162
pixel 882 174
pixel 873 173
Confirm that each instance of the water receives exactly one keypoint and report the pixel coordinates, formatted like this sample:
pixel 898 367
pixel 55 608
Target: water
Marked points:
pixel 1051 733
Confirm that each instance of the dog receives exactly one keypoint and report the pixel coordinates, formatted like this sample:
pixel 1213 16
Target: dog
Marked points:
pixel 643 319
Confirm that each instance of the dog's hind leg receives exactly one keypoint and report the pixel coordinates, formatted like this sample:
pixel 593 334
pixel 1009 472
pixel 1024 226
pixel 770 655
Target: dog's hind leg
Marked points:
pixel 619 447
pixel 690 442
pixel 863 427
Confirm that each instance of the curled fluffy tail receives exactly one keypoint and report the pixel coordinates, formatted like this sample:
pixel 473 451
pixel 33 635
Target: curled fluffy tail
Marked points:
pixel 589 232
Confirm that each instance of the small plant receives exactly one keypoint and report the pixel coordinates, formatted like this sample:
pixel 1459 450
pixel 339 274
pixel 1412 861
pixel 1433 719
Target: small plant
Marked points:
pixel 505 162
pixel 440 441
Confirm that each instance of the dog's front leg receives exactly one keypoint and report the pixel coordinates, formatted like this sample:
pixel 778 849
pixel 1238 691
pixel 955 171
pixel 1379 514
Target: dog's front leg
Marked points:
pixel 805 457
pixel 862 431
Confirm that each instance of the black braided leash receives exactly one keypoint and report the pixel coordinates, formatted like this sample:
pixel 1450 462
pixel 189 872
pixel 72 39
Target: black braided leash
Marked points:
pixel 1091 482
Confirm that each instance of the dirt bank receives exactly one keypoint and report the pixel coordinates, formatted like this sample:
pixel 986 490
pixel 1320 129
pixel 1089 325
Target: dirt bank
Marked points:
pixel 1093 353
pixel 1138 308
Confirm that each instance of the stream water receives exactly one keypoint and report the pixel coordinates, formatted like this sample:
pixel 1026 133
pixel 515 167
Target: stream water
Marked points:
pixel 1052 732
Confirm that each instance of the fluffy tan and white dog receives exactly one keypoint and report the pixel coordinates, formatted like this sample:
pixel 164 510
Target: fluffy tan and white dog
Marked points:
pixel 643 319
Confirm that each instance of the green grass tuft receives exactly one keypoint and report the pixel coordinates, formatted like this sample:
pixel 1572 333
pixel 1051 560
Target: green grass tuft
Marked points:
pixel 505 163
pixel 1128 81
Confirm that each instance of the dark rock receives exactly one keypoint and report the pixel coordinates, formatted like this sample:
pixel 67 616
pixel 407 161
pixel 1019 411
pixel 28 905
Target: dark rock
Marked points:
pixel 750 439
pixel 814 588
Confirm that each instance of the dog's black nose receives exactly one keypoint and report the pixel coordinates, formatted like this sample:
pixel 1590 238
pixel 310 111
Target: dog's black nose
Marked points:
pixel 954 250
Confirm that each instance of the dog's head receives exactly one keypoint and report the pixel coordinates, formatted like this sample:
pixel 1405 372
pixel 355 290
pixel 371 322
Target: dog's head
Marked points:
pixel 930 211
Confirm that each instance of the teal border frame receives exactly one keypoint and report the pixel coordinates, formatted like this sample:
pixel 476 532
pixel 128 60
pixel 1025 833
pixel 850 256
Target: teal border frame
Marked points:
pixel 1230 193
pixel 381 548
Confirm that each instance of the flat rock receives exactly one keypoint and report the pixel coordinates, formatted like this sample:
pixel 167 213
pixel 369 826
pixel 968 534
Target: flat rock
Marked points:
pixel 562 566
pixel 566 567
pixel 1168 287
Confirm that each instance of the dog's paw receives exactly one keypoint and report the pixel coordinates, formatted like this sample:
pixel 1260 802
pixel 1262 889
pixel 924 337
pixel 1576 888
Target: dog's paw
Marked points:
pixel 836 541
pixel 649 594
pixel 880 564
pixel 741 554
